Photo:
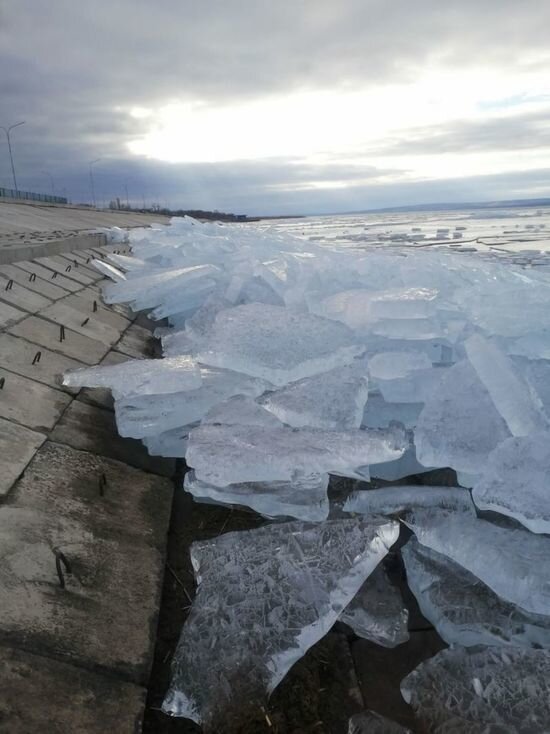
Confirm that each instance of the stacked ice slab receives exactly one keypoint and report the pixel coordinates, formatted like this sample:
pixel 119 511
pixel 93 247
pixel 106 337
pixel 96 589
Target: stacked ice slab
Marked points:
pixel 286 362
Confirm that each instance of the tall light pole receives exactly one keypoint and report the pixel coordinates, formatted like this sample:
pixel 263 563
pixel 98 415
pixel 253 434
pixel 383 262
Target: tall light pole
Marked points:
pixel 7 131
pixel 47 173
pixel 92 180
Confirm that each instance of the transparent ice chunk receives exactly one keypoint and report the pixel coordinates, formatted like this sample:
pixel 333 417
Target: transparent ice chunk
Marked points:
pixel 391 365
pixel 277 344
pixel 264 598
pixel 377 612
pixel 359 308
pixel 227 454
pixel 459 425
pixel 148 291
pixel 331 400
pixel 139 376
pixel 172 443
pixel 504 690
pixel 379 414
pixel 305 498
pixel 463 609
pixel 513 563
pixel 402 499
pixel 369 722
pixel 416 387
pixel 515 481
pixel 149 415
pixel 521 410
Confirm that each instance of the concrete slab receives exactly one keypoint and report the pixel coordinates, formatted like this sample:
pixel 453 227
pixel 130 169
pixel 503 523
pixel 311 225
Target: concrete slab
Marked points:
pixel 43 695
pixel 50 275
pixel 17 447
pixel 30 403
pixel 87 325
pixel 69 483
pixel 98 613
pixel 55 262
pixel 94 253
pixel 101 396
pixel 82 257
pixel 79 265
pixel 10 315
pixel 20 297
pixel 47 333
pixel 84 301
pixel 15 247
pixel 17 355
pixel 137 342
pixel 38 285
pixel 93 429
pixel 32 217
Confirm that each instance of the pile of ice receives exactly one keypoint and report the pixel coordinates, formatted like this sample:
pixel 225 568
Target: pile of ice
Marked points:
pixel 286 362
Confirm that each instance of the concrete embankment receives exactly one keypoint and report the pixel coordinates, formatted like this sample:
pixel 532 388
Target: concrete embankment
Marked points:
pixel 29 230
pixel 83 513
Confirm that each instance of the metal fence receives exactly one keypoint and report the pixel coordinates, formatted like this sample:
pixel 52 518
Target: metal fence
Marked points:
pixel 29 196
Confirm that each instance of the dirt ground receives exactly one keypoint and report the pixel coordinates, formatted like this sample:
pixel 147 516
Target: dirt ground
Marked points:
pixel 338 677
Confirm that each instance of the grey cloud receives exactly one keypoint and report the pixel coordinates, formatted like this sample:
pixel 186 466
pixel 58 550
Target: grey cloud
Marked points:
pixel 66 66
pixel 518 132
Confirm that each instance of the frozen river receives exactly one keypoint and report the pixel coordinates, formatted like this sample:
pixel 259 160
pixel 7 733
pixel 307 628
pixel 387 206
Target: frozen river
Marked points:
pixel 521 234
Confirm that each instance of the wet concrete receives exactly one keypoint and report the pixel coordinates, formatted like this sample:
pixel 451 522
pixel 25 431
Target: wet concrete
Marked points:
pixel 83 512
pixel 17 447
pixel 43 695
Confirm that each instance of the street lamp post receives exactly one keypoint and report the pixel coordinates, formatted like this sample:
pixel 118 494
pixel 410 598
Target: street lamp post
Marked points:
pixel 92 180
pixel 7 131
pixel 47 173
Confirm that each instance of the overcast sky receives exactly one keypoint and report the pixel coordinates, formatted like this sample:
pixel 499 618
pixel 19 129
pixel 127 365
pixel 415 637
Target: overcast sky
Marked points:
pixel 278 106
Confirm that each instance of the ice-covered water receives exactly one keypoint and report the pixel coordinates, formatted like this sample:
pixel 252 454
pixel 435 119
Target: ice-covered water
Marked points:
pixel 378 345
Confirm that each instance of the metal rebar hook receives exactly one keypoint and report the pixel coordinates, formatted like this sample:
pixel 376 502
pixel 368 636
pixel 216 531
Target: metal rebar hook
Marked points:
pixel 60 561
pixel 102 484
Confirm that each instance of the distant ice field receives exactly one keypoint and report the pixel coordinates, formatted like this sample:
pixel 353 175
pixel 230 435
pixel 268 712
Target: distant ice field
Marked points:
pixel 521 234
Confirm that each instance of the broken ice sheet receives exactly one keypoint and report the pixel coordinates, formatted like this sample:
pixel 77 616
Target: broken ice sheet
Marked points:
pixel 404 498
pixel 148 291
pixel 463 609
pixel 379 414
pixel 513 563
pixel 224 454
pixel 515 481
pixel 521 408
pixel 264 597
pixel 459 425
pixel 377 612
pixel 139 376
pixel 172 443
pixel 332 400
pixel 305 498
pixel 369 722
pixel 360 308
pixel 401 468
pixel 416 387
pixel 148 415
pixel 277 344
pixel 392 365
pixel 471 690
